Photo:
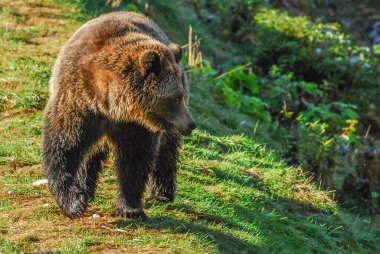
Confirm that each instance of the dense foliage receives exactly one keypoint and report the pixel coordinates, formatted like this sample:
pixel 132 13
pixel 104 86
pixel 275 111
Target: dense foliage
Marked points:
pixel 307 78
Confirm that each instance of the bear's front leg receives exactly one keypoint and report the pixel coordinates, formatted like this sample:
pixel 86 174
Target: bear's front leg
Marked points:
pixel 162 179
pixel 66 139
pixel 135 158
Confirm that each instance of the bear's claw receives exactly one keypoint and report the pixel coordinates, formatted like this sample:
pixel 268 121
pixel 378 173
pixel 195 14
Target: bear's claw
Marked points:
pixel 132 213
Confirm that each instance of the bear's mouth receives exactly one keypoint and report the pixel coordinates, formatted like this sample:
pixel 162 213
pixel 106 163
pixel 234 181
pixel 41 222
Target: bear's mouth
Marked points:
pixel 185 127
pixel 182 125
pixel 156 123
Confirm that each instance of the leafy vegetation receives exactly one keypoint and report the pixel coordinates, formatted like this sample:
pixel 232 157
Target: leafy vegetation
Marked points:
pixel 308 78
pixel 285 82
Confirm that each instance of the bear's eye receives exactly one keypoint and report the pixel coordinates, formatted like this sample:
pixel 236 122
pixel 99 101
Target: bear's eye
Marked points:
pixel 177 99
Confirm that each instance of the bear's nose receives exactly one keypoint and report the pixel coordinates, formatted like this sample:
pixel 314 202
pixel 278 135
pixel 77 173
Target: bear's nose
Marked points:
pixel 189 128
pixel 192 125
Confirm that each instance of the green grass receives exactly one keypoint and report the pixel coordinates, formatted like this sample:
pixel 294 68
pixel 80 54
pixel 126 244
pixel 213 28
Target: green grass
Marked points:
pixel 234 194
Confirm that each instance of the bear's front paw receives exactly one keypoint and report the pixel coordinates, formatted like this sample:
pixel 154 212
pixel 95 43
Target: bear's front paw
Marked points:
pixel 73 203
pixel 132 213
pixel 77 207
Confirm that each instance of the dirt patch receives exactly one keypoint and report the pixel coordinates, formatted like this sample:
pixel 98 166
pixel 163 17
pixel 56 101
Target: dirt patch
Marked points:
pixel 46 24
pixel 37 221
pixel 112 248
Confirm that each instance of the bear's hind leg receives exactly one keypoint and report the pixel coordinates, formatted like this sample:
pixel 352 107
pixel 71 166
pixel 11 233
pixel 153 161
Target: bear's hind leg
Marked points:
pixel 162 180
pixel 66 140
pixel 135 158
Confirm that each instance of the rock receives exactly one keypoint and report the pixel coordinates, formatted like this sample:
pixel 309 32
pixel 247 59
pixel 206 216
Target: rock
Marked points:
pixel 211 237
pixel 39 182
pixel 346 23
pixel 354 59
pixel 376 41
pixel 375 33
pixel 210 18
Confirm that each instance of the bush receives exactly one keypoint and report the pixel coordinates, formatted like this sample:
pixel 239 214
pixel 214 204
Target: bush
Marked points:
pixel 317 127
pixel 316 53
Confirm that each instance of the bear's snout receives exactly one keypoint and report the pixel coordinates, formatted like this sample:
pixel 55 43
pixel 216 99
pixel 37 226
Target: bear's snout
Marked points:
pixel 188 129
pixel 192 126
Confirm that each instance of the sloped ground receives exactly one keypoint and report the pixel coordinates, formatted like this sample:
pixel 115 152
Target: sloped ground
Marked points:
pixel 234 195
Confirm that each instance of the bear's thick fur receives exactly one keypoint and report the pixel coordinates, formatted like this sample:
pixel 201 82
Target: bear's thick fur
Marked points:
pixel 118 80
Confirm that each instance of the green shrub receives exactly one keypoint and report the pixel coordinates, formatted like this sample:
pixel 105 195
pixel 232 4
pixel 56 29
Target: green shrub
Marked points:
pixel 233 17
pixel 241 90
pixel 317 127
pixel 315 53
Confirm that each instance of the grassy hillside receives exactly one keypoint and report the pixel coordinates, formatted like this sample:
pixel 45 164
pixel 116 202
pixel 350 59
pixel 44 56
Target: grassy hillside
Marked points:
pixel 234 194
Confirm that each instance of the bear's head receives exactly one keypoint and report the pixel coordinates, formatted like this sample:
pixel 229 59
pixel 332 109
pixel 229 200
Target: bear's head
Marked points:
pixel 141 80
pixel 165 86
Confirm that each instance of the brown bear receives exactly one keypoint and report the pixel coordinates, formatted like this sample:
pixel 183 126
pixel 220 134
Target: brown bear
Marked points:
pixel 118 80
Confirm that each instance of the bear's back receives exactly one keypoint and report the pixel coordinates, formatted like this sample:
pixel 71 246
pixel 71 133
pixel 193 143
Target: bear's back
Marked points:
pixel 94 35
pixel 116 24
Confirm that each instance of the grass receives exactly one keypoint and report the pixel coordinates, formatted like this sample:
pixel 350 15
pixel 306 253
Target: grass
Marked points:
pixel 234 194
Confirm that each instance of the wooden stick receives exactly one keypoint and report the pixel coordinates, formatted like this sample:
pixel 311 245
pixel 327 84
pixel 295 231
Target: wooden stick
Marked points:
pixel 190 45
pixel 367 132
pixel 114 229
pixel 233 70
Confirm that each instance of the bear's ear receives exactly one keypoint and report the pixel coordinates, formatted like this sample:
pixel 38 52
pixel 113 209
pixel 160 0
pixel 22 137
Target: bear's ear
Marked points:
pixel 177 50
pixel 150 62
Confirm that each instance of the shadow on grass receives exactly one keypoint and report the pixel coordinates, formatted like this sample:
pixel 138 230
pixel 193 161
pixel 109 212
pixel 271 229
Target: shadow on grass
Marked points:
pixel 251 227
pixel 200 225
